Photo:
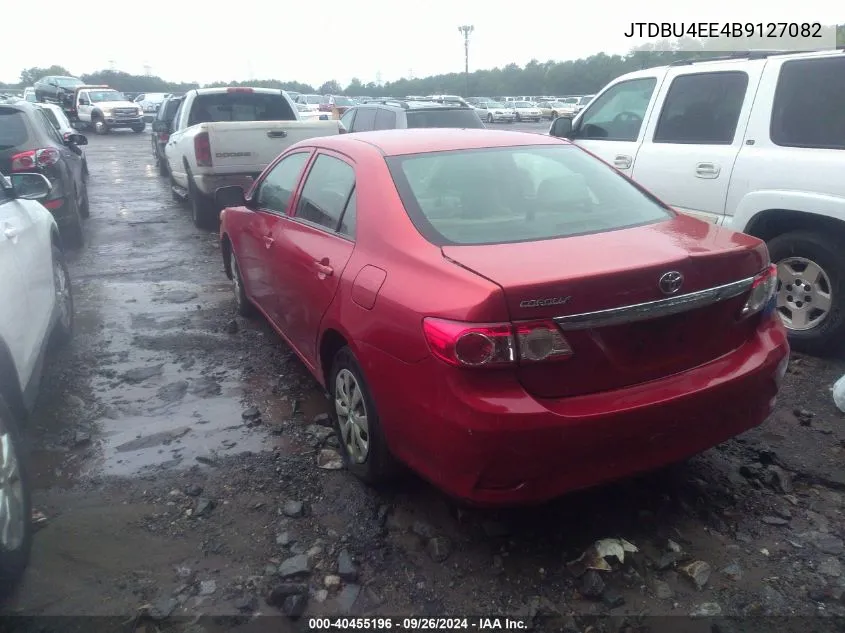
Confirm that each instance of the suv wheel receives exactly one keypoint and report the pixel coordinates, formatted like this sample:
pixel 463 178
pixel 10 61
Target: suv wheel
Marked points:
pixel 811 289
pixel 100 126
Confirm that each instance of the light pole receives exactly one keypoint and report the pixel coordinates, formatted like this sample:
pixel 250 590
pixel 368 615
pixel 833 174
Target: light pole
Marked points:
pixel 466 29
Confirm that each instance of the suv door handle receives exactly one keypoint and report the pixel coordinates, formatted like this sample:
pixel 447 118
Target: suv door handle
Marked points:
pixel 323 269
pixel 622 162
pixel 707 170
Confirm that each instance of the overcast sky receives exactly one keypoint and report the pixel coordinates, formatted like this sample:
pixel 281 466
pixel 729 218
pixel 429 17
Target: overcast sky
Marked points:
pixel 317 40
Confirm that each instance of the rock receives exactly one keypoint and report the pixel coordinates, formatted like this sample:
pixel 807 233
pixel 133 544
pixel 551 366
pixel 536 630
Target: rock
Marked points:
pixel 329 459
pixel 830 566
pixel 422 529
pixel 284 539
pixel 773 601
pixel 662 590
pixel 81 438
pixel 781 480
pixel 245 604
pixel 173 391
pixel 208 460
pixel 824 542
pixel 783 512
pixel 698 571
pixel 771 520
pixel 293 509
pixel 346 567
pixel 295 566
pixel 668 561
pixel 672 546
pixel 382 514
pixel 706 610
pixel 332 441
pixel 270 570
pixel 315 551
pixel 294 606
pixel 321 595
pixel 251 414
pixel 347 597
pixel 279 592
pixel 205 387
pixel 208 587
pixel 332 581
pixel 592 585
pixel 613 598
pixel 203 507
pixel 323 419
pixel 495 529
pixel 140 374
pixel 163 608
pixel 439 548
pixel 232 327
pixel 193 490
pixel 180 296
pixel 318 431
pixel 732 571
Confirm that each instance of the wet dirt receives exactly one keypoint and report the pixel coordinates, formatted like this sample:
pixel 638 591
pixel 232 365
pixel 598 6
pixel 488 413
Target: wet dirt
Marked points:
pixel 157 476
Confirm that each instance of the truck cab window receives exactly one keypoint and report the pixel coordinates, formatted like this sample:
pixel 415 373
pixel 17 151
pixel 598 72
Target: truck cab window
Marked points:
pixel 617 115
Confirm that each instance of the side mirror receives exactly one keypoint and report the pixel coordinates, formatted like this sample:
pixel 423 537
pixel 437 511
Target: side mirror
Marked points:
pixel 161 127
pixel 75 139
pixel 231 196
pixel 30 186
pixel 561 127
pixel 84 102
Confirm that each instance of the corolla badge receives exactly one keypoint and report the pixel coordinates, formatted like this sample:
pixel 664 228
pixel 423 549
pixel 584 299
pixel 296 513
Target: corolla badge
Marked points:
pixel 539 303
pixel 670 282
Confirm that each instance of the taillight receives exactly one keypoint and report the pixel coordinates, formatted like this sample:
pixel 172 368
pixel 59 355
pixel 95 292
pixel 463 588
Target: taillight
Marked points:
pixel 239 89
pixel 35 158
pixel 762 292
pixel 202 150
pixel 494 344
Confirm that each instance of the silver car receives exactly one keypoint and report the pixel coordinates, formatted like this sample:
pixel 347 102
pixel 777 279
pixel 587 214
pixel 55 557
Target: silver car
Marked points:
pixel 495 112
pixel 527 111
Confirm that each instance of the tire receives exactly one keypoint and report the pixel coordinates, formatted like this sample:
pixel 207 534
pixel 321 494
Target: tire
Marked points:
pixel 161 164
pixel 14 556
pixel 554 116
pixel 85 205
pixel 63 331
pixel 202 209
pixel 489 118
pixel 72 234
pixel 790 251
pixel 245 307
pixel 100 126
pixel 173 193
pixel 376 465
pixel 139 128
pixel 85 172
pixel 518 119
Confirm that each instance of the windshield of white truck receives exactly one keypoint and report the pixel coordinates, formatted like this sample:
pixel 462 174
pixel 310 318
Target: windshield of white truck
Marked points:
pixel 99 96
pixel 240 106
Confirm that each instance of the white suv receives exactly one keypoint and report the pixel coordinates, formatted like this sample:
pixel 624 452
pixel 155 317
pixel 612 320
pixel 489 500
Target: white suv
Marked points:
pixel 755 143
pixel 36 307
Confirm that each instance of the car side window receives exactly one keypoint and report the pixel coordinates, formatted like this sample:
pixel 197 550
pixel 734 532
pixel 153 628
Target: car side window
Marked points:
pixel 276 190
pixel 349 220
pixel 364 120
pixel 326 192
pixel 385 119
pixel 346 119
pixel 809 104
pixel 702 108
pixel 617 115
pixel 48 127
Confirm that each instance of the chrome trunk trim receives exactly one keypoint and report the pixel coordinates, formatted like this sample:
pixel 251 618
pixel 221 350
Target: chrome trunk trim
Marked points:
pixel 654 309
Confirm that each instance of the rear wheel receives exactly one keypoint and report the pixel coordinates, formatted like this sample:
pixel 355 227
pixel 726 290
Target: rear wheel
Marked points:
pixel 245 308
pixel 811 289
pixel 64 299
pixel 489 118
pixel 72 233
pixel 139 128
pixel 84 205
pixel 15 504
pixel 202 209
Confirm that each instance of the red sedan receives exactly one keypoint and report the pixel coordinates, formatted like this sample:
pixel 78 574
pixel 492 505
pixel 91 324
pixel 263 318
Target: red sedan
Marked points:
pixel 506 314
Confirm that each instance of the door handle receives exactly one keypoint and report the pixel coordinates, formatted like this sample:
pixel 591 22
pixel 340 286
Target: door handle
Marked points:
pixel 268 241
pixel 10 232
pixel 277 134
pixel 622 162
pixel 323 269
pixel 707 170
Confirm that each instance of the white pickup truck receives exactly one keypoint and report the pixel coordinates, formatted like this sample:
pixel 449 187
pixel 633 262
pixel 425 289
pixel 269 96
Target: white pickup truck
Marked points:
pixel 227 136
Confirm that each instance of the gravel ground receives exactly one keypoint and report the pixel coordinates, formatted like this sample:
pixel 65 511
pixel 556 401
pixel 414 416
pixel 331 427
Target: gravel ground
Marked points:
pixel 175 452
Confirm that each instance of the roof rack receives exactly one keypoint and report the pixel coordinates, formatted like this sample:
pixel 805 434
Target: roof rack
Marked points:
pixel 753 54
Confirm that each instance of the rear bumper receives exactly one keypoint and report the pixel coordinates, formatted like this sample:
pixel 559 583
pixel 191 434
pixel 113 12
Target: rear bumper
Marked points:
pixel 487 441
pixel 210 183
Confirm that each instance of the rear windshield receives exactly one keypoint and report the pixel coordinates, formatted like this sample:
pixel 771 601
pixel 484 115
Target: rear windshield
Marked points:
pixel 240 106
pixel 461 118
pixel 68 82
pixel 517 194
pixel 170 109
pixel 13 129
pixel 343 101
pixel 48 112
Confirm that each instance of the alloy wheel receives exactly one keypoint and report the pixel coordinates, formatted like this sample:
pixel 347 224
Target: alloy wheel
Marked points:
pixel 12 519
pixel 236 276
pixel 64 299
pixel 352 416
pixel 804 295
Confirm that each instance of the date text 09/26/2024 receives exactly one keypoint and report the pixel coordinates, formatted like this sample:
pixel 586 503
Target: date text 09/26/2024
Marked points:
pixel 417 624
pixel 738 30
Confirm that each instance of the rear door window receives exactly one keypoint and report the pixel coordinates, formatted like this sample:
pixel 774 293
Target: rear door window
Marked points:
pixel 326 192
pixel 385 120
pixel 809 104
pixel 365 120
pixel 446 117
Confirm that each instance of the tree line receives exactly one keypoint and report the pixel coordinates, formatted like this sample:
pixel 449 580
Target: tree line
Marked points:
pixel 581 76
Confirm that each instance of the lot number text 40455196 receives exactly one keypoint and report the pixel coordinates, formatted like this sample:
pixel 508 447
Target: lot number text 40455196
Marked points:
pixel 417 624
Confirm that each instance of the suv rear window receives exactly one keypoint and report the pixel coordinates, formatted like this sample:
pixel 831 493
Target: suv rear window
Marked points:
pixel 13 129
pixel 517 194
pixel 168 112
pixel 458 117
pixel 809 105
pixel 240 106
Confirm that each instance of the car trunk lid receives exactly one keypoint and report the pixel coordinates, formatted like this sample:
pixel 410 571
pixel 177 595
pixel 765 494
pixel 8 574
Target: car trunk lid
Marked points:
pixel 582 275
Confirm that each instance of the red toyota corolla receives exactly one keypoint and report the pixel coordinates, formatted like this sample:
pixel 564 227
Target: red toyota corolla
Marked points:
pixel 506 314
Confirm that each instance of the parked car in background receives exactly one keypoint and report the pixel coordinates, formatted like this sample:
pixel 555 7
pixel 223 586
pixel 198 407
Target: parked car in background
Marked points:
pixel 30 143
pixel 29 95
pixel 293 94
pixel 307 114
pixel 553 109
pixel 36 312
pixel 389 114
pixel 56 89
pixel 527 111
pixel 227 136
pixel 63 126
pixel 339 103
pixel 312 101
pixel 650 339
pixel 755 144
pixel 161 128
pixel 150 102
pixel 583 102
pixel 495 112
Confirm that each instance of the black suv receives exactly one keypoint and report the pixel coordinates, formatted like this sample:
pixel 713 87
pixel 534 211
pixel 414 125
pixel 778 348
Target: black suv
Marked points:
pixel 161 130
pixel 392 114
pixel 30 143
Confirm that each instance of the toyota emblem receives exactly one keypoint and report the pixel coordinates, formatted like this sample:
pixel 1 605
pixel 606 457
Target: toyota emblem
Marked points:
pixel 670 282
